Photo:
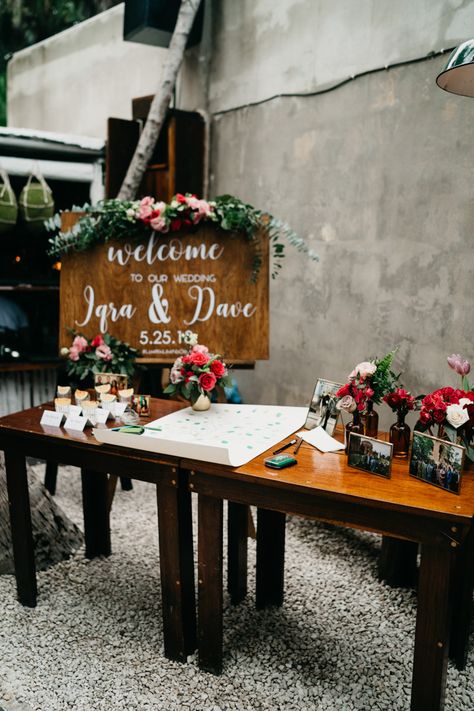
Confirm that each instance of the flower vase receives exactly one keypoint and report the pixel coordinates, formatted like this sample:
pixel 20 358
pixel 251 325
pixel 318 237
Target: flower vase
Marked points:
pixel 202 404
pixel 400 437
pixel 371 423
pixel 354 426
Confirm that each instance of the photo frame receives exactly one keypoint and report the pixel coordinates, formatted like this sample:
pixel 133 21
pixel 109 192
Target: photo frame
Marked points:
pixel 141 405
pixel 437 462
pixel 117 381
pixel 322 408
pixel 371 455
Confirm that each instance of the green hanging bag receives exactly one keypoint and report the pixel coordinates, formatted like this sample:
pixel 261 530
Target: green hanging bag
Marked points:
pixel 8 203
pixel 36 202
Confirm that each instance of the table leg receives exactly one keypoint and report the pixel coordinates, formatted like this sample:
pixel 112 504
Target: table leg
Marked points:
pixel 95 502
pixel 237 534
pixel 463 585
pixel 210 584
pixel 270 558
pixel 50 477
pixel 176 565
pixel 432 630
pixel 21 530
pixel 397 562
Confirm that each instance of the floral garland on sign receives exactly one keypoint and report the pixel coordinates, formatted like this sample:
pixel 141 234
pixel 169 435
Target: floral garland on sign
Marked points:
pixel 128 219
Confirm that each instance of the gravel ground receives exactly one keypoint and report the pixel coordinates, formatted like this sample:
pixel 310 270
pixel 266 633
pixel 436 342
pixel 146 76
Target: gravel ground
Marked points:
pixel 342 641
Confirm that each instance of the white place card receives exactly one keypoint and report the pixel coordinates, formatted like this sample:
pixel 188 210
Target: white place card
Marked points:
pixel 101 416
pixel 320 439
pixel 75 422
pixel 51 418
pixel 119 408
pixel 75 410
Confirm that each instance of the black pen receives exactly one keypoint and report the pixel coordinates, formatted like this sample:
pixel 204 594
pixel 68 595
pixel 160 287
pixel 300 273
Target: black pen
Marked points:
pixel 285 446
pixel 300 442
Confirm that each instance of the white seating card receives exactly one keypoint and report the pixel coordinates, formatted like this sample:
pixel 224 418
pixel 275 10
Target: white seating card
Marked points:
pixel 101 416
pixel 74 410
pixel 51 418
pixel 75 422
pixel 320 439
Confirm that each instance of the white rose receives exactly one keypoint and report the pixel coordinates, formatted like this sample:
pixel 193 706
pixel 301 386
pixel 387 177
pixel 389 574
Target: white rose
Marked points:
pixel 456 415
pixel 64 351
pixel 465 401
pixel 346 403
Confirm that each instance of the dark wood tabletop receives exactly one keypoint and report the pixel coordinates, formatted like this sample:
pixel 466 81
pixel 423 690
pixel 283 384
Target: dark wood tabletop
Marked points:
pixel 324 487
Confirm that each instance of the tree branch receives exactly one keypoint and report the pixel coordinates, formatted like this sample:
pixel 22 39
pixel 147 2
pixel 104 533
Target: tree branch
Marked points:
pixel 161 101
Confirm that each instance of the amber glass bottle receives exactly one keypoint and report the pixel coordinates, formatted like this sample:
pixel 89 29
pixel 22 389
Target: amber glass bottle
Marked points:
pixel 400 436
pixel 371 421
pixel 355 426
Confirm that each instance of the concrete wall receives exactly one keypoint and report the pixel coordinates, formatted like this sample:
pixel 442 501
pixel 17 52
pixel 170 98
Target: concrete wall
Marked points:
pixel 376 175
pixel 74 81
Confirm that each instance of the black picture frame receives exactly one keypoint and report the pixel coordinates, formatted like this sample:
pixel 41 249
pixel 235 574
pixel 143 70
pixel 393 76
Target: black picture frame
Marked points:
pixel 373 456
pixel 437 462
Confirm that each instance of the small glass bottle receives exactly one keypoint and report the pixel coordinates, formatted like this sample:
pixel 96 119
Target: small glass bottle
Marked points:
pixel 355 426
pixel 371 428
pixel 400 436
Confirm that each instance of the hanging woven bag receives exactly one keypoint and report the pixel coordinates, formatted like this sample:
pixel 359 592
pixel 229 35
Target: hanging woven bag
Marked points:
pixel 36 201
pixel 8 203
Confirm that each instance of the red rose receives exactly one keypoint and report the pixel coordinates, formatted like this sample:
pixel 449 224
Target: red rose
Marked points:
pixel 392 400
pixel 218 368
pixel 207 381
pixel 97 341
pixel 425 417
pixel 369 392
pixel 181 199
pixel 439 415
pixel 345 390
pixel 186 359
pixel 175 225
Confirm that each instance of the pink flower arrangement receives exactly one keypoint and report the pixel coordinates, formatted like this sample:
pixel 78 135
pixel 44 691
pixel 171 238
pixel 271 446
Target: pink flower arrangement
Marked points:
pixel 101 354
pixel 197 373
pixel 183 211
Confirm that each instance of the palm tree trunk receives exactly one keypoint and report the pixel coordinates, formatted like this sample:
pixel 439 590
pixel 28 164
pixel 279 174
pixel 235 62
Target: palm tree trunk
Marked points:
pixel 161 101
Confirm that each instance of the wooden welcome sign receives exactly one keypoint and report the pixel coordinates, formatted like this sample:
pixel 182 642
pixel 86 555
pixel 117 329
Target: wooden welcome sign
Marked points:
pixel 151 293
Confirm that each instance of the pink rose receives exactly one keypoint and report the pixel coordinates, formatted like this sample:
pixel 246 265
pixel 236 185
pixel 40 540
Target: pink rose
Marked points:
pixel 74 353
pixel 346 403
pixel 145 208
pixel 159 224
pixel 103 352
pixel 207 381
pixel 363 370
pixel 80 344
pixel 200 349
pixel 198 358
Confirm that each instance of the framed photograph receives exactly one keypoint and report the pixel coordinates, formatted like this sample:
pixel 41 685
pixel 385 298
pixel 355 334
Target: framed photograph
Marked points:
pixel 373 456
pixel 322 409
pixel 141 405
pixel 437 462
pixel 116 380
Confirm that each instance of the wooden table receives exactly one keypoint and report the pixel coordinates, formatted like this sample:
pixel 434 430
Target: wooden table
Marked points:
pixel 21 435
pixel 322 487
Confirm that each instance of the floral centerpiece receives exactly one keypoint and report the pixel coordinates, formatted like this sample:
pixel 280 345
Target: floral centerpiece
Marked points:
pixel 367 384
pixel 195 375
pixel 451 409
pixel 101 354
pixel 128 219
